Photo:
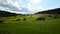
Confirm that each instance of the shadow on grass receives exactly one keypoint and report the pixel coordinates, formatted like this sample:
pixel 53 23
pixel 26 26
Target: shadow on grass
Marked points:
pixel 4 32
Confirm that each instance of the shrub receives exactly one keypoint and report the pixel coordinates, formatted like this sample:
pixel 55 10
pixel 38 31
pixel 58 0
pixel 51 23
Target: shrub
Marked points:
pixel 14 16
pixel 55 17
pixel 24 19
pixel 18 19
pixel 40 18
pixel 4 32
pixel 1 21
pixel 43 18
pixel 50 16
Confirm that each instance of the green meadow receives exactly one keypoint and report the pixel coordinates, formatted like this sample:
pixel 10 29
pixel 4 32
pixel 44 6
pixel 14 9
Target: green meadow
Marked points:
pixel 30 24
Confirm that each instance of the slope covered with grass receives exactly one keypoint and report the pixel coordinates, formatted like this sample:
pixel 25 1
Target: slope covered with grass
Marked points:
pixel 30 24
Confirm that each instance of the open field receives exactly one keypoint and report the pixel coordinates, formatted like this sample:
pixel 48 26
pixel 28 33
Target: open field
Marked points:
pixel 30 25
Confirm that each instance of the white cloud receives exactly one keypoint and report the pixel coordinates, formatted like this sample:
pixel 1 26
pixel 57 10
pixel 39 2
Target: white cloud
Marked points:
pixel 34 1
pixel 16 4
pixel 20 12
pixel 11 3
pixel 34 5
pixel 30 7
pixel 41 8
pixel 5 2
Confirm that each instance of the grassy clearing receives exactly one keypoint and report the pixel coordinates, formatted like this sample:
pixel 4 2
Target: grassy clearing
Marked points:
pixel 30 26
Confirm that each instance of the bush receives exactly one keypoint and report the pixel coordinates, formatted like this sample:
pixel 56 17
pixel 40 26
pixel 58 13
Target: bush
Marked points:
pixel 41 18
pixel 1 21
pixel 18 19
pixel 14 16
pixel 24 19
pixel 55 17
pixel 50 16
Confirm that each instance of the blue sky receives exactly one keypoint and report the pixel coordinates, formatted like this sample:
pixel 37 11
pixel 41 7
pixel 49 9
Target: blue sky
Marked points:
pixel 28 6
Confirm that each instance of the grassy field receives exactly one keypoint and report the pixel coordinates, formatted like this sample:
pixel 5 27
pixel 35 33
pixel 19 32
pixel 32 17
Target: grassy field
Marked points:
pixel 30 25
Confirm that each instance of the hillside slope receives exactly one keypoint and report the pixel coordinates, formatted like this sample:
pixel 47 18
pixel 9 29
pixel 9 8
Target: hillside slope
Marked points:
pixel 6 14
pixel 52 11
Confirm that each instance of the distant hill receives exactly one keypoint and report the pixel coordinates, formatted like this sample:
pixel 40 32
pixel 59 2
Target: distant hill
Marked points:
pixel 52 11
pixel 6 14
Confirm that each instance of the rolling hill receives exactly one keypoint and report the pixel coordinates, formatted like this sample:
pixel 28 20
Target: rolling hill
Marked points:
pixel 42 23
pixel 6 14
pixel 52 11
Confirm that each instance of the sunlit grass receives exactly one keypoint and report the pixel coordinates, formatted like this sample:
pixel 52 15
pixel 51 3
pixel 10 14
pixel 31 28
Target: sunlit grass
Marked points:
pixel 30 25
